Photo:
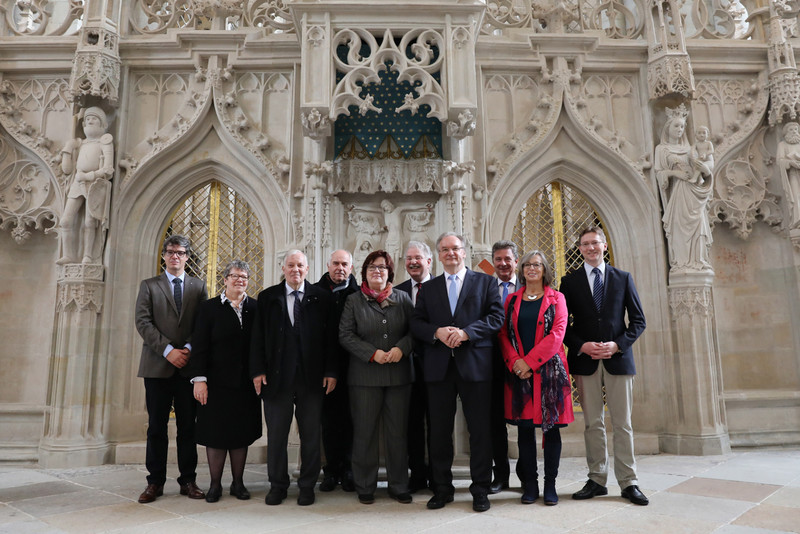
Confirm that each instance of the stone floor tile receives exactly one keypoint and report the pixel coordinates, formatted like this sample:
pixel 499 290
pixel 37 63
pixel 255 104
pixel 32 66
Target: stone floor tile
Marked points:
pixel 180 525
pixel 788 496
pixel 40 489
pixel 29 526
pixel 107 518
pixel 24 476
pixel 737 529
pixel 719 511
pixel 772 517
pixel 67 502
pixel 644 519
pixel 726 489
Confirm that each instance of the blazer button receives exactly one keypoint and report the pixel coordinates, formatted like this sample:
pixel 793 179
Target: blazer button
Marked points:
pixel 385 336
pixel 384 321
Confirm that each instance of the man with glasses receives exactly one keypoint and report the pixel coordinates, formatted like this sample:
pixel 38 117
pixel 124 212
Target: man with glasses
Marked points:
pixel 505 256
pixel 418 266
pixel 456 318
pixel 165 311
pixel 598 297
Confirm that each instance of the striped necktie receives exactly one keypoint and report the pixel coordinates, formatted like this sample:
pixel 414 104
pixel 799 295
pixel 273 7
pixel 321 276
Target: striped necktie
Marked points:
pixel 177 294
pixel 597 289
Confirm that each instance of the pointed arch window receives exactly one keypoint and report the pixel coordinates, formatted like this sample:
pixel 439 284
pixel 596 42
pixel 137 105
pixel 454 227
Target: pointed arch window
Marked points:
pixel 222 227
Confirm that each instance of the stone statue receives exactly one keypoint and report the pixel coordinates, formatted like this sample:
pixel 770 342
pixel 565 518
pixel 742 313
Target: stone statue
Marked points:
pixel 393 222
pixel 789 163
pixel 89 165
pixel 368 229
pixel 685 183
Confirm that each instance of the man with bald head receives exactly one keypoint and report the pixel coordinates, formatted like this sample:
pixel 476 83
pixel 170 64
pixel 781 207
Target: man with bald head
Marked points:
pixel 293 368
pixel 337 425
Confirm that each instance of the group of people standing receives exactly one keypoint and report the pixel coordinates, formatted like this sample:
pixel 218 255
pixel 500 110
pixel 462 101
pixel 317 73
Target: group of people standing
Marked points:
pixel 349 361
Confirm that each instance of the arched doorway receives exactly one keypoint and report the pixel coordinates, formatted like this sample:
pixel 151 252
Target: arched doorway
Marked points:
pixel 222 227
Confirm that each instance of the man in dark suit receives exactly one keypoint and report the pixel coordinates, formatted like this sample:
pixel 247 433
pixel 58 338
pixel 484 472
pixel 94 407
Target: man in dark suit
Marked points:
pixel 598 297
pixel 455 320
pixel 337 424
pixel 505 256
pixel 293 366
pixel 165 311
pixel 418 266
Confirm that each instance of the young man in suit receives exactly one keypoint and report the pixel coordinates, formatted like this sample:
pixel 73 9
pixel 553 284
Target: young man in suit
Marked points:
pixel 418 266
pixel 505 256
pixel 165 311
pixel 337 423
pixel 456 318
pixel 598 297
pixel 293 367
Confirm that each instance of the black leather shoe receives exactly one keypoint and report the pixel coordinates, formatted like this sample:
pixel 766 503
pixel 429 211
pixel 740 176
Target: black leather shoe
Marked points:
pixel 480 503
pixel 530 492
pixel 191 489
pixel 275 496
pixel 239 491
pixel 498 486
pixel 347 481
pixel 213 494
pixel 306 497
pixel 366 498
pixel 633 494
pixel 328 483
pixel 439 500
pixel 589 490
pixel 402 498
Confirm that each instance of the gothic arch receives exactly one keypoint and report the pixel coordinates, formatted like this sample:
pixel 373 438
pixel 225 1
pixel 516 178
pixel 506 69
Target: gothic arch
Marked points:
pixel 631 212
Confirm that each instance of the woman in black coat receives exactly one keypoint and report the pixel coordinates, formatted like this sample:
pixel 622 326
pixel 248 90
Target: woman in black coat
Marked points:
pixel 229 415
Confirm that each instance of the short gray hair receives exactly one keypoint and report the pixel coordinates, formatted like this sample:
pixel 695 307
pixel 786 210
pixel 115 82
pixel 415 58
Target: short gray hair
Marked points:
pixel 292 253
pixel 451 234
pixel 236 264
pixel 177 240
pixel 426 250
pixel 548 275
pixel 337 250
pixel 504 244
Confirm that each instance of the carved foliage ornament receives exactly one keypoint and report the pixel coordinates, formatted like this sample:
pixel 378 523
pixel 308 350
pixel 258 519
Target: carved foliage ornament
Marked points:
pixel 34 17
pixel 362 70
pixel 96 67
pixel 158 16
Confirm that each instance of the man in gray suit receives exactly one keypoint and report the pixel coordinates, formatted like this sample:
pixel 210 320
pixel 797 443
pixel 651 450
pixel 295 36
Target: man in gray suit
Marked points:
pixel 165 311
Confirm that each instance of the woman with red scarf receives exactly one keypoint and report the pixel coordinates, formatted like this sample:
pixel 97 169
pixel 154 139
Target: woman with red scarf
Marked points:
pixel 537 390
pixel 374 330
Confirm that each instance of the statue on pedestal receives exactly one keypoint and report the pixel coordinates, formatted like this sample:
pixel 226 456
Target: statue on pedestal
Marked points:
pixel 789 162
pixel 684 175
pixel 89 166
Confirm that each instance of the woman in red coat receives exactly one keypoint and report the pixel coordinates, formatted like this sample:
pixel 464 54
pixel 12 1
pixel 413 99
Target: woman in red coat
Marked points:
pixel 537 390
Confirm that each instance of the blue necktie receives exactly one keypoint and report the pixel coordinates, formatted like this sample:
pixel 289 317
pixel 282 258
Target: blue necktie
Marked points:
pixel 597 289
pixel 177 294
pixel 505 292
pixel 296 309
pixel 452 293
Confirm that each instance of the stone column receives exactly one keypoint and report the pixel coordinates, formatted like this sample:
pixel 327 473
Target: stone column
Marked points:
pixel 73 432
pixel 700 426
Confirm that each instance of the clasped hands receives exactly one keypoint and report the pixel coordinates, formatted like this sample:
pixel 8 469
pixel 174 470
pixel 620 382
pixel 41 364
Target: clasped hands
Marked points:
pixel 522 369
pixel 178 357
pixel 451 336
pixel 599 350
pixel 393 355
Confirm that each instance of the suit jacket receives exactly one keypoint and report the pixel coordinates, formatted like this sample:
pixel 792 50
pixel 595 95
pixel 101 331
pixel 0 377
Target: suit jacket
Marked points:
pixel 366 327
pixel 319 331
pixel 339 298
pixel 478 312
pixel 587 324
pixel 159 324
pixel 221 346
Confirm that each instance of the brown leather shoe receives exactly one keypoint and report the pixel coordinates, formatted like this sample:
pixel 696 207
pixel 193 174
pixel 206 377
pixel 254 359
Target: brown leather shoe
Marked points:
pixel 151 492
pixel 191 489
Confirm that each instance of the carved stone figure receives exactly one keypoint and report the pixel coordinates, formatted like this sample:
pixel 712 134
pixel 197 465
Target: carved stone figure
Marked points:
pixel 789 162
pixel 685 183
pixel 393 221
pixel 89 165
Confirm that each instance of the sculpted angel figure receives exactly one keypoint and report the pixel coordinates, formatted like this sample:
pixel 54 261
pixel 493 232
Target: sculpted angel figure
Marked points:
pixel 685 183
pixel 89 164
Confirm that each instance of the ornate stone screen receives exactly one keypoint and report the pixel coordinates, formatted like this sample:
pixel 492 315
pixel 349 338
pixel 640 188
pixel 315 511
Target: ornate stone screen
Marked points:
pixel 222 228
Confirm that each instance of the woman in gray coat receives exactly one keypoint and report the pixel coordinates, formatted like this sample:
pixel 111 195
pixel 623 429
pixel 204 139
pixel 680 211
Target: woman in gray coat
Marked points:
pixel 374 330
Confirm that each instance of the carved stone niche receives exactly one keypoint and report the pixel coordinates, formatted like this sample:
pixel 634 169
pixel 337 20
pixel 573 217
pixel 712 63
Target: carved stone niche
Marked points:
pixel 96 67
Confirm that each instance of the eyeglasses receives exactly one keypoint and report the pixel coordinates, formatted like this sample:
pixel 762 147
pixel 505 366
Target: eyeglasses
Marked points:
pixel 592 244
pixel 449 250
pixel 179 253
pixel 243 277
pixel 374 268
pixel 536 266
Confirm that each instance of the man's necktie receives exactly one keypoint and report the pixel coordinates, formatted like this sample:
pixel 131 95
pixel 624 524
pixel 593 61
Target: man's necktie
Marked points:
pixel 296 310
pixel 177 293
pixel 505 292
pixel 452 293
pixel 597 289
pixel 418 286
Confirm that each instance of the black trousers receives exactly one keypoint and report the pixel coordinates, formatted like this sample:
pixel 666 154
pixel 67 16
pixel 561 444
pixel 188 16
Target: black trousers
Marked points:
pixel 476 401
pixel 306 403
pixel 337 430
pixel 418 441
pixel 161 394
pixel 499 430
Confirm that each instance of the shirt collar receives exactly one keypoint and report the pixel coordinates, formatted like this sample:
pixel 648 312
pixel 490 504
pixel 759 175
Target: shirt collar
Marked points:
pixel 225 299
pixel 289 289
pixel 172 277
pixel 512 282
pixel 460 274
pixel 414 283
pixel 588 268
